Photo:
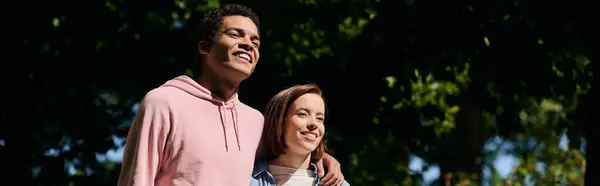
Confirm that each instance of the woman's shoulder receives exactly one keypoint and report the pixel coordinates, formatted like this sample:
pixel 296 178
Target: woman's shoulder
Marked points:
pixel 260 175
pixel 260 167
pixel 345 183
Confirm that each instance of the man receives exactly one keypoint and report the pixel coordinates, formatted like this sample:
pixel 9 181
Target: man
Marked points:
pixel 197 132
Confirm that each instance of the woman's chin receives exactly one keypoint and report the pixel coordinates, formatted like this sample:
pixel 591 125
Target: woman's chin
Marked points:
pixel 309 148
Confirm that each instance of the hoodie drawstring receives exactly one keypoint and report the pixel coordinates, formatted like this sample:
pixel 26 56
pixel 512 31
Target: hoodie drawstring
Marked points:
pixel 235 125
pixel 223 121
pixel 222 111
pixel 190 86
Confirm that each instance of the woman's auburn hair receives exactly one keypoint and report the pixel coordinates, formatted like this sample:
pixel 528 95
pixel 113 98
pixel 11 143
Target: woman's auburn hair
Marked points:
pixel 273 135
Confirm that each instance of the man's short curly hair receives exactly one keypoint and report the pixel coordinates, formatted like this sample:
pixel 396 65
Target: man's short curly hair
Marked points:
pixel 209 25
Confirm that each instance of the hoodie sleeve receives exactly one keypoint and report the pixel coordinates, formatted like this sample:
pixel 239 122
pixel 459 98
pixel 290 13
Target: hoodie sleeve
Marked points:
pixel 260 151
pixel 144 147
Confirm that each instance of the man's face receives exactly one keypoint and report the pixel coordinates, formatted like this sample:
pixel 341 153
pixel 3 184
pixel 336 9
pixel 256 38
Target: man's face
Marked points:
pixel 234 51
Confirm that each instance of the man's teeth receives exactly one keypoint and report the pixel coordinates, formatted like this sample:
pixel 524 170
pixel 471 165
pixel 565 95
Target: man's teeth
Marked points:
pixel 244 55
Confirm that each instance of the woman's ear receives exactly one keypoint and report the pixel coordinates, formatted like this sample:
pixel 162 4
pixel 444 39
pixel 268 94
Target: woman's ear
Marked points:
pixel 203 47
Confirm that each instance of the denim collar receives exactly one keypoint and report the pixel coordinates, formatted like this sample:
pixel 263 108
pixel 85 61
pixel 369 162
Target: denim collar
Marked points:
pixel 262 166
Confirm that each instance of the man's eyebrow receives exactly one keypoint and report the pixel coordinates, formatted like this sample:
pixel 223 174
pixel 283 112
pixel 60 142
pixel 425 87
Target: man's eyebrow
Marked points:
pixel 241 31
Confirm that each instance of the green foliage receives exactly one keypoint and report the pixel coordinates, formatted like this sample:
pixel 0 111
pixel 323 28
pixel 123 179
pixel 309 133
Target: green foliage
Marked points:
pixel 426 91
pixel 566 166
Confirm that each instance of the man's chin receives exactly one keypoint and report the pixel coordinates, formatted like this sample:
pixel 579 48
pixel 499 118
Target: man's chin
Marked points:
pixel 239 75
pixel 237 71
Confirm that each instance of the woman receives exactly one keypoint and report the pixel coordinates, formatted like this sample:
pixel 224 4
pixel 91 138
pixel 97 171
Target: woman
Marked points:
pixel 293 136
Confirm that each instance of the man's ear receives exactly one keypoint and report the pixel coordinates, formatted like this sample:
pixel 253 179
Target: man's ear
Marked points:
pixel 203 47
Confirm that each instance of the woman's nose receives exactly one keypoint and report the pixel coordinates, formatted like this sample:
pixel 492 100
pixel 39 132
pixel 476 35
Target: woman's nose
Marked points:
pixel 311 126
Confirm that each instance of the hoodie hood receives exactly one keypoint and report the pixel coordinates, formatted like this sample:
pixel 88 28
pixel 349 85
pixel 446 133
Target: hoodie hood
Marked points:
pixel 192 87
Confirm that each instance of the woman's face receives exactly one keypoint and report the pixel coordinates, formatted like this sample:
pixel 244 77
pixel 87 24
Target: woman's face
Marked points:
pixel 304 122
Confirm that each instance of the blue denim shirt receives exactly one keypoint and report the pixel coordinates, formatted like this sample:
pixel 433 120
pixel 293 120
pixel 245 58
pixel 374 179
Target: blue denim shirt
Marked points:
pixel 262 177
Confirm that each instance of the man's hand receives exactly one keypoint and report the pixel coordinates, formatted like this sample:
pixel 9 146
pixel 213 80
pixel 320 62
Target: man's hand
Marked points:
pixel 334 175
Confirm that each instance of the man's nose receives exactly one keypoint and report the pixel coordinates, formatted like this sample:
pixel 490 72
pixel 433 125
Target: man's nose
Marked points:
pixel 246 45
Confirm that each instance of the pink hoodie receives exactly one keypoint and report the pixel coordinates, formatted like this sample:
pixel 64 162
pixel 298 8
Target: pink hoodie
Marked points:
pixel 182 135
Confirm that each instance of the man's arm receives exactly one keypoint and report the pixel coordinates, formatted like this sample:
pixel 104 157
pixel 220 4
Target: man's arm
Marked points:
pixel 333 176
pixel 147 137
